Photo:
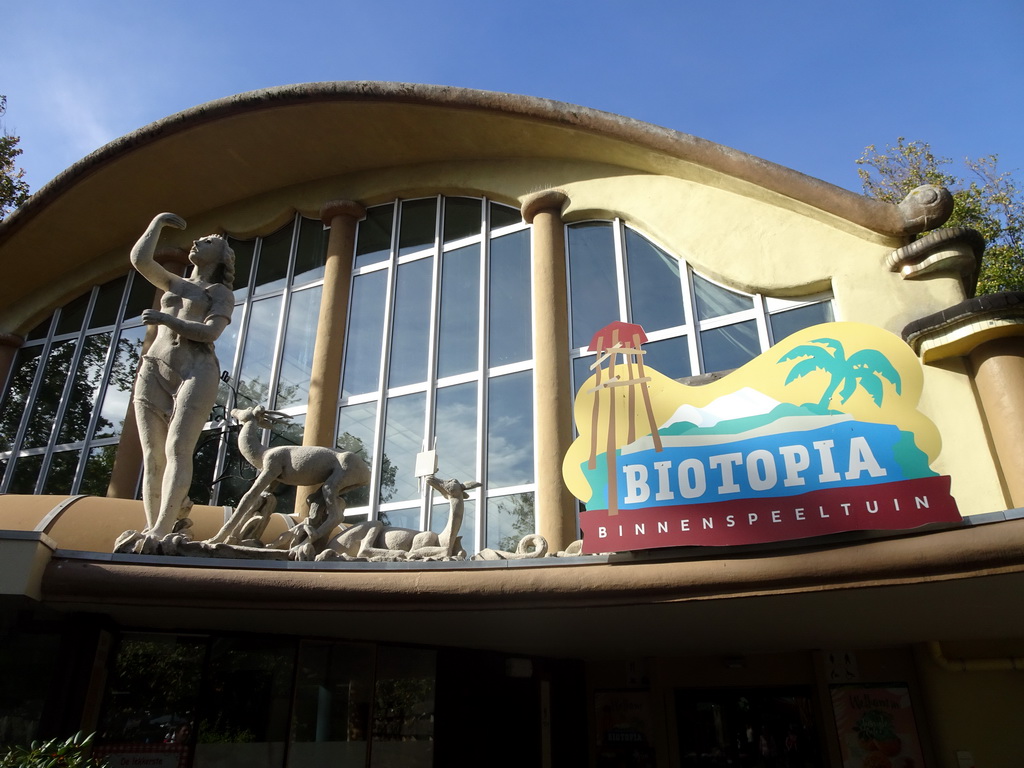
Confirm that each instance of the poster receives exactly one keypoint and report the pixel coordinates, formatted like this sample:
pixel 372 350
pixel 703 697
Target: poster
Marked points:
pixel 624 733
pixel 876 727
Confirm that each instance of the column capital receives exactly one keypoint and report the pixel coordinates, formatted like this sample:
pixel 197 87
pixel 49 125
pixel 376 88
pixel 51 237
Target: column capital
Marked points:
pixel 549 199
pixel 11 340
pixel 335 208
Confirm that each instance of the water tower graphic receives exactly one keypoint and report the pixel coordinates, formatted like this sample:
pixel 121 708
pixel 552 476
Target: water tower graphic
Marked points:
pixel 619 345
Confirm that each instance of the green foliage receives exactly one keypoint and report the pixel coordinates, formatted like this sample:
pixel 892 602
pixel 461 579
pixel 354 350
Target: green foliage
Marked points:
pixel 517 514
pixel 73 752
pixel 985 199
pixel 13 187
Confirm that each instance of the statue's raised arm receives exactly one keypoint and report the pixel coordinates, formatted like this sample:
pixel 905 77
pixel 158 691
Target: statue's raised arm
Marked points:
pixel 178 376
pixel 145 248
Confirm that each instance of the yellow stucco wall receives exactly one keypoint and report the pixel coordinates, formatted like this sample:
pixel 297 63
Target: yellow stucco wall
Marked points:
pixel 980 712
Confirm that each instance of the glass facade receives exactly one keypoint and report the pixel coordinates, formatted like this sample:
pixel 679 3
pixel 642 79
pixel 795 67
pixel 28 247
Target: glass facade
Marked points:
pixel 267 702
pixel 693 324
pixel 438 355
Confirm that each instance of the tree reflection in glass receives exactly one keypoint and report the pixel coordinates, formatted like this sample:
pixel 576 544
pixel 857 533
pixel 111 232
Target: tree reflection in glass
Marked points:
pixel 509 518
pixel 403 439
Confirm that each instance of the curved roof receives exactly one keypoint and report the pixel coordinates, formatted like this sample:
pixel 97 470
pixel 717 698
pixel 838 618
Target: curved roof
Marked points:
pixel 236 148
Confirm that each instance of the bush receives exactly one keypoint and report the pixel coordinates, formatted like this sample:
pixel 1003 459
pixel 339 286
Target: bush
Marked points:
pixel 71 753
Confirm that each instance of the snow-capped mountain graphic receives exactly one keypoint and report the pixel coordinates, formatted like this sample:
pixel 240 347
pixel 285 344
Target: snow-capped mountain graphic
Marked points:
pixel 743 414
pixel 743 402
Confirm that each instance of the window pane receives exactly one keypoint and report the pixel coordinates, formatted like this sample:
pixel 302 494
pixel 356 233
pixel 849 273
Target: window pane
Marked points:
pixel 26 474
pixel 142 295
pixel 356 425
pixel 297 356
pixel 403 439
pixel 792 320
pixel 238 474
pixel 204 463
pixel 730 346
pixel 44 409
pixel 592 281
pixel 330 721
pixel 461 218
pixel 509 300
pixel 272 267
pixel 84 388
pixel 510 430
pixel 656 298
pixel 98 469
pixel 416 231
pixel 16 399
pixel 401 518
pixel 73 314
pixel 108 303
pixel 460 312
pixel 715 301
pixel 365 329
pixel 410 335
pixel 455 430
pixel 225 347
pixel 244 251
pixel 581 372
pixel 509 518
pixel 670 357
pixel 258 353
pixel 147 694
pixel 504 216
pixel 311 252
pixel 403 711
pixel 30 675
pixel 61 476
pixel 41 330
pixel 373 242
pixel 114 406
pixel 243 718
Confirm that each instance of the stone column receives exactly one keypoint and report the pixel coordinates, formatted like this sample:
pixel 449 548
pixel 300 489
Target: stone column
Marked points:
pixel 999 377
pixel 10 343
pixel 325 378
pixel 124 477
pixel 552 389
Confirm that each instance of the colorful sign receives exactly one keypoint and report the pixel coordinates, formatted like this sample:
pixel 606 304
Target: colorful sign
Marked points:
pixel 818 435
pixel 876 726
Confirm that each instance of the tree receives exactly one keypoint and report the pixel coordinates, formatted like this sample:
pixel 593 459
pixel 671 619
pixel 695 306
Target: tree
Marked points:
pixel 986 199
pixel 13 188
pixel 865 369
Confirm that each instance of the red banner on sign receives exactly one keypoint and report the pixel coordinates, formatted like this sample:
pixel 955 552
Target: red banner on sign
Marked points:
pixel 884 506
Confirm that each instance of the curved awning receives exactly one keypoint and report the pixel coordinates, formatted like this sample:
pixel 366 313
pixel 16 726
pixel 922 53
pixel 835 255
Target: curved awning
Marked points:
pixel 240 147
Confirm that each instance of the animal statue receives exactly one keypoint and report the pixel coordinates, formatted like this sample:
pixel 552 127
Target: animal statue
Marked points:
pixel 375 540
pixel 333 471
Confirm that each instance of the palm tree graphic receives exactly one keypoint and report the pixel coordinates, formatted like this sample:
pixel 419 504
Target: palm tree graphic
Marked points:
pixel 865 368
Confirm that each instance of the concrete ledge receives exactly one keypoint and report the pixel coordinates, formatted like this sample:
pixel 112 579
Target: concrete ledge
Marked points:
pixel 24 556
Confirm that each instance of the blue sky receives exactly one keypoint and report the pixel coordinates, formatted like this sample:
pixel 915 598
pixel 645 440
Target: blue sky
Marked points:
pixel 804 84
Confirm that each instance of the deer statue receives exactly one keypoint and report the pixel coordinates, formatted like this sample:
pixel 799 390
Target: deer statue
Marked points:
pixel 334 471
pixel 375 540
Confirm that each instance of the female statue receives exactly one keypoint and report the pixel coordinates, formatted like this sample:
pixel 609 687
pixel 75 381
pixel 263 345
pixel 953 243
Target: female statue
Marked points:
pixel 179 375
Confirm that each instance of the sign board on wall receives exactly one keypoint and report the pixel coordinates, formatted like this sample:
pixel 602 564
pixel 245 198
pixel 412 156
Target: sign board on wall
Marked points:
pixel 818 435
pixel 876 726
